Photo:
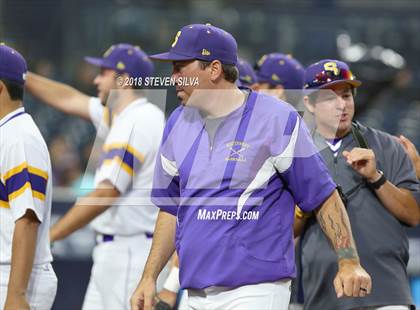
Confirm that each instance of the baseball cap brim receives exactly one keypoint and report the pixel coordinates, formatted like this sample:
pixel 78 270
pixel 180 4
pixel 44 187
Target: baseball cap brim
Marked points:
pixel 170 56
pixel 94 61
pixel 354 83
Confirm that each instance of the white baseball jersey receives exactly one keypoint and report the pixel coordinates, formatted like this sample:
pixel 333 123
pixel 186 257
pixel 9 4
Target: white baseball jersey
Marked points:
pixel 101 117
pixel 25 183
pixel 127 161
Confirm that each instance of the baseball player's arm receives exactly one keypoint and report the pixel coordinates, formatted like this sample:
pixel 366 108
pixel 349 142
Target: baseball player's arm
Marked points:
pixel 23 252
pixel 162 248
pixel 351 279
pixel 58 95
pixel 85 210
pixel 400 202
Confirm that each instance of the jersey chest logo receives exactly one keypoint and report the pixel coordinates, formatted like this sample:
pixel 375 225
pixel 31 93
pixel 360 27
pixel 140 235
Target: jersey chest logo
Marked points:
pixel 236 151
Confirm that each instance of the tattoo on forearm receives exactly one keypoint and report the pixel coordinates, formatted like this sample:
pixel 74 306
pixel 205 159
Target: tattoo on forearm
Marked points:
pixel 322 222
pixel 338 232
pixel 348 253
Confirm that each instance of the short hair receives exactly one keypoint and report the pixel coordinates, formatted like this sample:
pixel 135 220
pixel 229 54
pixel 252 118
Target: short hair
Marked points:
pixel 14 89
pixel 230 72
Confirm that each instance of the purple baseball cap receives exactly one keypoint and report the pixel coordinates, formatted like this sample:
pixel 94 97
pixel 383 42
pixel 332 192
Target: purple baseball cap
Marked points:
pixel 202 42
pixel 328 72
pixel 12 65
pixel 247 75
pixel 280 69
pixel 125 58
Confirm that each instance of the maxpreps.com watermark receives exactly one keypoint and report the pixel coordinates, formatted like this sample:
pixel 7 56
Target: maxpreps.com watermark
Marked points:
pixel 223 215
pixel 155 81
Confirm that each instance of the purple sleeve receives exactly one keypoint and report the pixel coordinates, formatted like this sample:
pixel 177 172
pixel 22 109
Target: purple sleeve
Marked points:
pixel 301 166
pixel 166 191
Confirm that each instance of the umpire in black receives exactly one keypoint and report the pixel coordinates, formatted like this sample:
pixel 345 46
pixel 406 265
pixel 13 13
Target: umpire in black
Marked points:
pixel 377 182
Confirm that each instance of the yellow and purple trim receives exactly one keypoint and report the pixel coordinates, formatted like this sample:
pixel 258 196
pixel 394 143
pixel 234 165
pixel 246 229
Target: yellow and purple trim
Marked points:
pixel 23 177
pixel 124 155
pixel 4 201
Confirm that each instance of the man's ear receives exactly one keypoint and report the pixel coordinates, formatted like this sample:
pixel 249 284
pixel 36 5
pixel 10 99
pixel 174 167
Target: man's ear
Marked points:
pixel 216 70
pixel 308 104
pixel 120 81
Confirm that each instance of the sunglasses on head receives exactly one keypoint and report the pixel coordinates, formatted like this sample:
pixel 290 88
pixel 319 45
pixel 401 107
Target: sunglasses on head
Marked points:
pixel 327 76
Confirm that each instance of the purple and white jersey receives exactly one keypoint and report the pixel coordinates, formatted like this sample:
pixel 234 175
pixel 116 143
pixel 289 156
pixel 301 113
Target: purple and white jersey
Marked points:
pixel 234 197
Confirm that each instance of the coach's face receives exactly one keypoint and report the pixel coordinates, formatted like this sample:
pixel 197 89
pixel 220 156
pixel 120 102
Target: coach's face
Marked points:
pixel 104 82
pixel 334 110
pixel 192 76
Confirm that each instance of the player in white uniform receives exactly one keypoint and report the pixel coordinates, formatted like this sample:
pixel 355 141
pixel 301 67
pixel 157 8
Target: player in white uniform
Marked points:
pixel 27 280
pixel 120 209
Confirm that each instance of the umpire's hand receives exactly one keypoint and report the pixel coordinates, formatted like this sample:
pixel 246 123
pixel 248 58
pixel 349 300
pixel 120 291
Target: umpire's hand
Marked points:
pixel 352 280
pixel 143 297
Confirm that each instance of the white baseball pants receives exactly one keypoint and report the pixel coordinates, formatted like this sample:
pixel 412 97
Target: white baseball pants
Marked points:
pixel 116 271
pixel 42 286
pixel 262 296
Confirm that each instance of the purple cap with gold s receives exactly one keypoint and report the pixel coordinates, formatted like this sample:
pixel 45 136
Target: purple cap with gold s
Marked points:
pixel 247 75
pixel 280 69
pixel 125 58
pixel 202 42
pixel 328 72
pixel 12 65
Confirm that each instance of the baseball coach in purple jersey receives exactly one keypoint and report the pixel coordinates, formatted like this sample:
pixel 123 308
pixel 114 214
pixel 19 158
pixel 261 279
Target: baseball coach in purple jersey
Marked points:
pixel 232 165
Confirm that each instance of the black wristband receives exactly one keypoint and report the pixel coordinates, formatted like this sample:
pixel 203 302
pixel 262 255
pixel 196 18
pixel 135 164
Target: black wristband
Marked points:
pixel 376 185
